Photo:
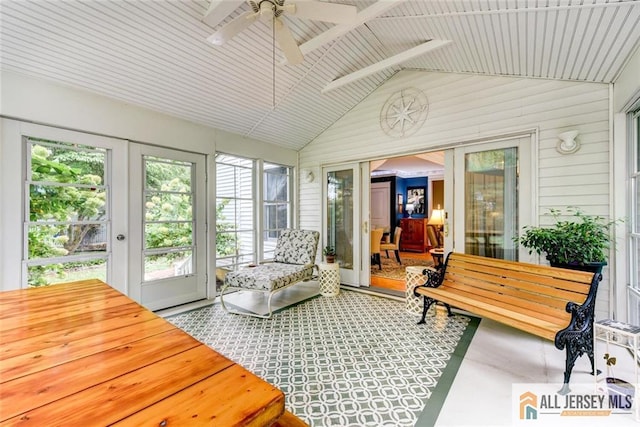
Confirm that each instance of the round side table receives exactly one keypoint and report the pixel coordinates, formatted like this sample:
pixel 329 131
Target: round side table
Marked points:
pixel 414 278
pixel 329 278
pixel 437 255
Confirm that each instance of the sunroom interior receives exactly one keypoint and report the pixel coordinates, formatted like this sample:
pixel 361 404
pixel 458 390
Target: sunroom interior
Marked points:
pixel 196 154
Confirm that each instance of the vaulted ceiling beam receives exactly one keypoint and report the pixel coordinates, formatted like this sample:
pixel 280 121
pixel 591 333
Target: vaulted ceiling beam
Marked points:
pixel 386 63
pixel 219 10
pixel 339 30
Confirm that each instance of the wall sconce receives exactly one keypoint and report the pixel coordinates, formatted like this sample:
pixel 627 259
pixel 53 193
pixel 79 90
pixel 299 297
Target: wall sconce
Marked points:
pixel 568 143
pixel 307 175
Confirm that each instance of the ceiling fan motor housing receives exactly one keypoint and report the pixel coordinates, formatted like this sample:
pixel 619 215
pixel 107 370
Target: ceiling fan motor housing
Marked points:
pixel 269 9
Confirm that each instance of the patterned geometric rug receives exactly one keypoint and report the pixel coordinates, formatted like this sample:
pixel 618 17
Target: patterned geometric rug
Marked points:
pixel 350 360
pixel 392 270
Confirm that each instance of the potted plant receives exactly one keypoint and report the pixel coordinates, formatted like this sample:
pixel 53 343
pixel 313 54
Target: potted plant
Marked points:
pixel 579 243
pixel 329 253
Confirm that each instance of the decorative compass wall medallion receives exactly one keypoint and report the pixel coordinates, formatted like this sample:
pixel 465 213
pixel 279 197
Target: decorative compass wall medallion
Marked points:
pixel 404 112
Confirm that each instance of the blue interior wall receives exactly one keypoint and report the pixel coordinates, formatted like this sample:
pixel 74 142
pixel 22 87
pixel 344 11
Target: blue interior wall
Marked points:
pixel 401 188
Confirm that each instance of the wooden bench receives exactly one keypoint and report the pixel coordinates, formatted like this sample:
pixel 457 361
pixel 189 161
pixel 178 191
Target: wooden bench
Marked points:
pixel 553 303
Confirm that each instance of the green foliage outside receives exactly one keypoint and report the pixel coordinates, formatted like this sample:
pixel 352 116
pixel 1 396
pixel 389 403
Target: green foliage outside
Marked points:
pixel 225 242
pixel 54 203
pixel 168 208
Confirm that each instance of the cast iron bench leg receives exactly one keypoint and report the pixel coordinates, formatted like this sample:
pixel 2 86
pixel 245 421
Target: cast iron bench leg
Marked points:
pixel 576 345
pixel 427 304
pixel 449 313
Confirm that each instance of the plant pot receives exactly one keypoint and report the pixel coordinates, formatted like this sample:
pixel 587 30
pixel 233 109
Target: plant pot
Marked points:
pixel 330 259
pixel 592 267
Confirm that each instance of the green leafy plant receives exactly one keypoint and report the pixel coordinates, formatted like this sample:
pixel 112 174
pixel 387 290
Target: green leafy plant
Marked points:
pixel 329 251
pixel 581 240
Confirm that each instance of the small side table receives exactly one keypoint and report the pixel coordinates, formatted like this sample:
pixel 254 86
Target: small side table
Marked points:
pixel 627 338
pixel 437 254
pixel 329 278
pixel 414 277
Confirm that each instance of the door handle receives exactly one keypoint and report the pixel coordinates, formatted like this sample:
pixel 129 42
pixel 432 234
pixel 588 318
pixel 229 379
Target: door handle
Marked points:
pixel 366 226
pixel 120 237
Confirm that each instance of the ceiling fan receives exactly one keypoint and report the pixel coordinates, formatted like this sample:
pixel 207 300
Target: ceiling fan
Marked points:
pixel 273 10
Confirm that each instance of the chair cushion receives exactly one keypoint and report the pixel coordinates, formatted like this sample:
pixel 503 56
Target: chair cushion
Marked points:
pixel 268 277
pixel 296 247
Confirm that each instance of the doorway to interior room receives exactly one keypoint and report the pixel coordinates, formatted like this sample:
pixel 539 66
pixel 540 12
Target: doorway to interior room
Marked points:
pixel 404 192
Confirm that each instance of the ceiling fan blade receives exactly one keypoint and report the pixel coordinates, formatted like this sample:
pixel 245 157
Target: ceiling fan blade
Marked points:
pixel 322 11
pixel 287 43
pixel 229 30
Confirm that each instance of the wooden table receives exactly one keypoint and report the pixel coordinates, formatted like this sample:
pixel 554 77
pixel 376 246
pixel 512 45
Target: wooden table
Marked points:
pixel 82 353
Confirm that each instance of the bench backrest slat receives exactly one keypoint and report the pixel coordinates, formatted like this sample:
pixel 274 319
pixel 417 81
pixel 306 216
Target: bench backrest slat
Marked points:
pixel 530 287
pixel 572 283
pixel 490 280
pixel 550 313
pixel 536 269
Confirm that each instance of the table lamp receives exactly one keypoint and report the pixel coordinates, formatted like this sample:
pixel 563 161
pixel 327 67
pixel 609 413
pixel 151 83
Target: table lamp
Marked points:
pixel 437 220
pixel 409 207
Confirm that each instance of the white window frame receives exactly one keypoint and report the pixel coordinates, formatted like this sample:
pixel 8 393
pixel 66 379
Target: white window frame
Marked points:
pixel 259 203
pixel 236 260
pixel 633 236
pixel 264 203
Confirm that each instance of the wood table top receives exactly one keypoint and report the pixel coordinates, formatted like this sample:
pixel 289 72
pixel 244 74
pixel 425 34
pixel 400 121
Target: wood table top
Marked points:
pixel 82 353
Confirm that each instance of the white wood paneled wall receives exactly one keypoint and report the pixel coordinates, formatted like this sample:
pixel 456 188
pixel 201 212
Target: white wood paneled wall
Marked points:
pixel 468 108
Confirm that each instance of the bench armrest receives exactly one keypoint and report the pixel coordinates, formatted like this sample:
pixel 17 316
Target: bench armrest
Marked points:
pixel 434 279
pixel 580 327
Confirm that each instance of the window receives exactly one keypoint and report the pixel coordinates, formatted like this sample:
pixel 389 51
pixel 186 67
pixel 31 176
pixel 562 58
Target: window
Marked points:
pixel 276 205
pixel 634 216
pixel 239 205
pixel 67 217
pixel 235 213
pixel 169 242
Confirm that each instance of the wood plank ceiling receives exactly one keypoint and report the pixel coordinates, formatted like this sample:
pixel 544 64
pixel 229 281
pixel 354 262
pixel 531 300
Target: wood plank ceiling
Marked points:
pixel 154 54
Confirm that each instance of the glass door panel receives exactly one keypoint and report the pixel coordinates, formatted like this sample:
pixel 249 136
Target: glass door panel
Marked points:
pixel 166 205
pixel 168 219
pixel 491 208
pixel 68 216
pixel 342 217
pixel 488 209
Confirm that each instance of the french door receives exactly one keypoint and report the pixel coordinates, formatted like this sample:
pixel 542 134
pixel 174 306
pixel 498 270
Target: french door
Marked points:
pixel 492 197
pixel 342 212
pixel 74 194
pixel 168 226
